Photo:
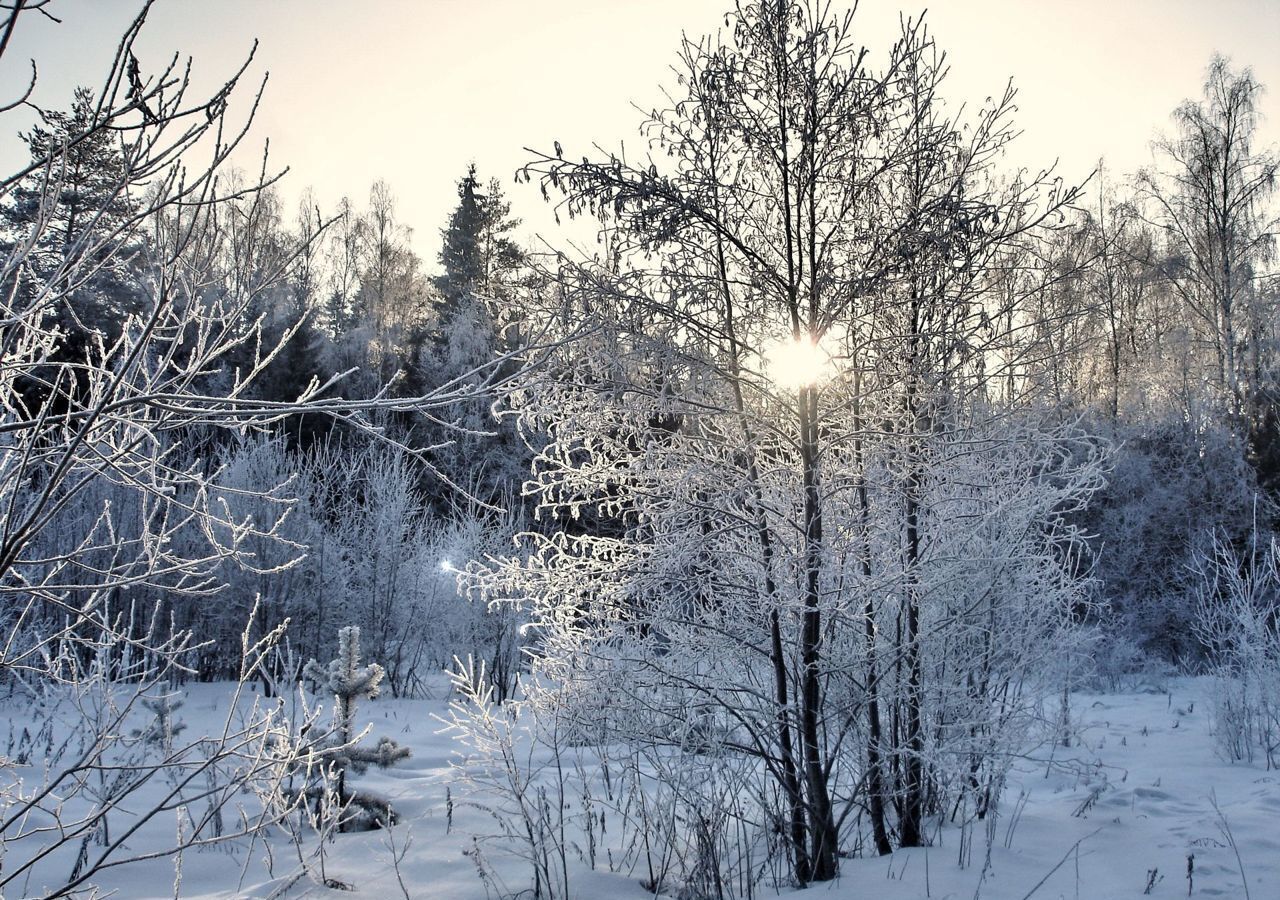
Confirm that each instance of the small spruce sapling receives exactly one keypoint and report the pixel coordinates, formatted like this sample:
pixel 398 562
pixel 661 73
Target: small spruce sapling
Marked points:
pixel 162 729
pixel 349 682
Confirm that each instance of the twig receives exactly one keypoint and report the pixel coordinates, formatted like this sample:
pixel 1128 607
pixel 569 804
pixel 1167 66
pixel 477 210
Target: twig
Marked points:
pixel 1066 856
pixel 1225 827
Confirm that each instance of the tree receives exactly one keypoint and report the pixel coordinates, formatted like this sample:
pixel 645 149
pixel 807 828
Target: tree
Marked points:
pixel 476 320
pixel 1125 274
pixel 799 204
pixel 392 300
pixel 80 196
pixel 478 255
pixel 350 682
pixel 376 300
pixel 1210 200
pixel 1098 283
pixel 342 271
pixel 78 202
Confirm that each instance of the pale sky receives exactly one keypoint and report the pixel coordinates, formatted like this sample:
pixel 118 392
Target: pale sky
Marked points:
pixel 412 90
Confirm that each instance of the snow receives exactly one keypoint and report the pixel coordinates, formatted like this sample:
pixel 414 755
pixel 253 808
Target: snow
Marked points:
pixel 1150 759
pixel 1134 794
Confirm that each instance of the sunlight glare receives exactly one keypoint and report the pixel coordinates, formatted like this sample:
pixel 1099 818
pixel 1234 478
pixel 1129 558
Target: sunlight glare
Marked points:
pixel 797 363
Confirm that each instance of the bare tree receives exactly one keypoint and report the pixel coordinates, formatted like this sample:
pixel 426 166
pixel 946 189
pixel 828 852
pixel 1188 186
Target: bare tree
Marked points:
pixel 1210 198
pixel 798 204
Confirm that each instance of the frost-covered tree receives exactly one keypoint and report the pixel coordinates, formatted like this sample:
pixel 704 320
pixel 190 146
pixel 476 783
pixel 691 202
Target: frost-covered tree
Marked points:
pixel 754 464
pixel 79 199
pixel 76 204
pixel 393 298
pixel 350 682
pixel 1210 196
pixel 478 252
pixel 377 300
pixel 477 317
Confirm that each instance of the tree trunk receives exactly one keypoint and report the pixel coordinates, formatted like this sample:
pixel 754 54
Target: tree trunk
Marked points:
pixel 875 737
pixel 822 829
pixel 797 823
pixel 912 814
pixel 913 766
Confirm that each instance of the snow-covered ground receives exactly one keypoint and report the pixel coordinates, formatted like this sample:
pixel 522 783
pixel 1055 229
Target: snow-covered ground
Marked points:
pixel 1121 808
pixel 1142 799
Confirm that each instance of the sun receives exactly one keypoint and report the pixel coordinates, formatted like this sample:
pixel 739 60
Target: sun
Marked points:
pixel 797 363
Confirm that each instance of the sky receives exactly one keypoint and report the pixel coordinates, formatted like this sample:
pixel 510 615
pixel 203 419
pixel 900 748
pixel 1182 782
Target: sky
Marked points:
pixel 412 91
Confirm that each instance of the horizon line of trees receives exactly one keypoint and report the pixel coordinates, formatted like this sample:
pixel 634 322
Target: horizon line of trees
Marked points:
pixel 1154 325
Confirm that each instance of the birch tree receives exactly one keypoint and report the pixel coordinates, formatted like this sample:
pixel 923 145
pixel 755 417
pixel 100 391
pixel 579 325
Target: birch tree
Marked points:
pixel 794 310
pixel 1210 195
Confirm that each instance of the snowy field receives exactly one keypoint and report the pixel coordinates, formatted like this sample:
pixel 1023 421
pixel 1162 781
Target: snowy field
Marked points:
pixel 1115 815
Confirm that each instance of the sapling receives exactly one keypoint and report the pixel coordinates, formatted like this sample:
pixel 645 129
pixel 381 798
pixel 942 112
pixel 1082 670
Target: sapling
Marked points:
pixel 164 727
pixel 349 682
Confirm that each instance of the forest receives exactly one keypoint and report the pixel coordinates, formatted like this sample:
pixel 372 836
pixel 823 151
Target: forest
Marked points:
pixel 850 495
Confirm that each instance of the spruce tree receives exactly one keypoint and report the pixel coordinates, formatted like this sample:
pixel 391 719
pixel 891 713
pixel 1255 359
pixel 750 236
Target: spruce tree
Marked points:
pixel 481 260
pixel 349 681
pixel 75 203
pixel 476 321
pixel 460 249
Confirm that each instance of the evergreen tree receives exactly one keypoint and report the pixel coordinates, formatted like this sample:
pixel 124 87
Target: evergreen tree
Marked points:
pixel 460 249
pixel 476 321
pixel 349 682
pixel 76 204
pixel 478 254
pixel 75 189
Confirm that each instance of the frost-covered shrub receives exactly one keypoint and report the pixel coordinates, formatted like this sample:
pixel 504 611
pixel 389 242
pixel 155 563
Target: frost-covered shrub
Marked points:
pixel 255 481
pixel 383 561
pixel 164 727
pixel 517 761
pixel 469 626
pixel 1117 662
pixel 1238 620
pixel 229 779
pixel 1172 485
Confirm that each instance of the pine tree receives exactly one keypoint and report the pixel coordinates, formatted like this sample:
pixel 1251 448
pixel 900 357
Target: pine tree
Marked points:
pixel 77 197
